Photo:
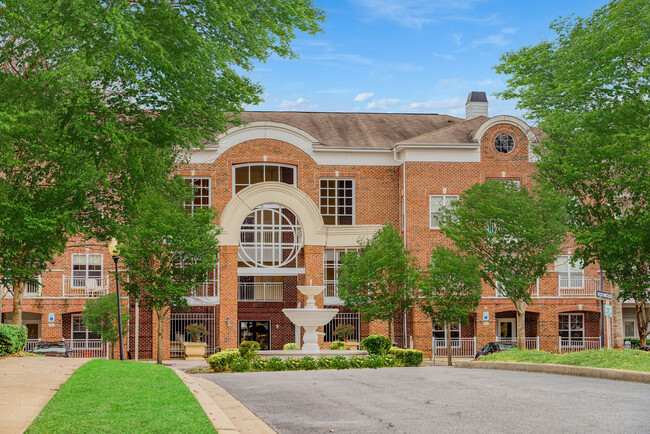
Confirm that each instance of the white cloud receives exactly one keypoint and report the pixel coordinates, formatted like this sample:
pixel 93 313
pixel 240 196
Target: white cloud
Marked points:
pixel 417 13
pixel 447 106
pixel 498 39
pixel 301 104
pixel 364 96
pixel 458 38
pixel 448 80
pixel 382 104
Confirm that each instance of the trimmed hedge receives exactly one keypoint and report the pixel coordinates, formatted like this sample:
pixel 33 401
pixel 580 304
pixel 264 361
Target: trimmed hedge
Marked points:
pixel 376 344
pixel 291 346
pixel 13 338
pixel 247 349
pixel 338 345
pixel 407 357
pixel 221 361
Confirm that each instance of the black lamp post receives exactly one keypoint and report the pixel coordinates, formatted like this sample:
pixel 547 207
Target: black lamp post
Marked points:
pixel 112 248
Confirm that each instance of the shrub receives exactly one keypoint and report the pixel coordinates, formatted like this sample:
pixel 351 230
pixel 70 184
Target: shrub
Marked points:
pixel 292 364
pixel 376 344
pixel 374 361
pixel 324 362
pixel 308 363
pixel 195 332
pixel 407 357
pixel 634 343
pixel 13 338
pixel 258 364
pixel 338 345
pixel 291 346
pixel 247 349
pixel 390 360
pixel 240 364
pixel 221 361
pixel 343 330
pixel 275 364
pixel 340 362
pixel 356 362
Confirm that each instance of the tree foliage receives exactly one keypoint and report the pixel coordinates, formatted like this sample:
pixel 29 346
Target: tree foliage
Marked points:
pixel 380 279
pixel 100 316
pixel 168 253
pixel 513 233
pixel 589 89
pixel 100 100
pixel 450 290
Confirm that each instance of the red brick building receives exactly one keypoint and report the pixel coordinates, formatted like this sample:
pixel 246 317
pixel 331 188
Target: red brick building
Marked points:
pixel 294 191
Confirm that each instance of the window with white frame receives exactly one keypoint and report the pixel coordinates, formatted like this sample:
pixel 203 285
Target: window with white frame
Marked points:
pixel 630 329
pixel 81 336
pixel 571 327
pixel 331 265
pixel 440 335
pixel 570 274
pixel 201 187
pixel 437 203
pixel 337 201
pixel 249 174
pixel 87 270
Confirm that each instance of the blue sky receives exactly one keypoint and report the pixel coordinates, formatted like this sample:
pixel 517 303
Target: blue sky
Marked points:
pixel 420 56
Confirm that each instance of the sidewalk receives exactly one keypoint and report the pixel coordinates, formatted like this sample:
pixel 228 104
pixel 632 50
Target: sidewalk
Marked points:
pixel 27 384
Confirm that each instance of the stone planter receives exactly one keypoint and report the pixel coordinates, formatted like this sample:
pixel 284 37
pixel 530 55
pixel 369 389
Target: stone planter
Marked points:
pixel 352 345
pixel 194 350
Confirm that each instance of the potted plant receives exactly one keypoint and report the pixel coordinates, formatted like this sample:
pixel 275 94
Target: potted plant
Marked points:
pixel 345 330
pixel 194 349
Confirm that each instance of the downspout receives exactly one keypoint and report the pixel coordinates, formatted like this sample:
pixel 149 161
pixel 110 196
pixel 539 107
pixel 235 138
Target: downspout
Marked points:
pixel 403 218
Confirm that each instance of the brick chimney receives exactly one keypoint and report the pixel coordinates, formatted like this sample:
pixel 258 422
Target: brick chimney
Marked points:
pixel 476 105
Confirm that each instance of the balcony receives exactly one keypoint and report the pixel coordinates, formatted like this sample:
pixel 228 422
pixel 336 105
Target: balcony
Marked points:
pixel 85 287
pixel 32 291
pixel 578 286
pixel 260 291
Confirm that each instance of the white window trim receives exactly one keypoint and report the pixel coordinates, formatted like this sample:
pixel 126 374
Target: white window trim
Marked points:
pixel 572 270
pixel 191 205
pixel 236 166
pixel 444 198
pixel 514 327
pixel 335 300
pixel 444 334
pixel 72 333
pixel 86 277
pixel 354 198
pixel 573 341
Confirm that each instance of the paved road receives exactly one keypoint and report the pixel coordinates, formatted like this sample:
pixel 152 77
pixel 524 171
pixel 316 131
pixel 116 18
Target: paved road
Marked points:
pixel 439 400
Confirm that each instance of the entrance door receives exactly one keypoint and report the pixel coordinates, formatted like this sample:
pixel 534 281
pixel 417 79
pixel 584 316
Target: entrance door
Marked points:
pixel 258 331
pixel 506 329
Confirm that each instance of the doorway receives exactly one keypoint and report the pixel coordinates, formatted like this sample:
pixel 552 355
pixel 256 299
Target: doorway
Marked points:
pixel 259 331
pixel 506 328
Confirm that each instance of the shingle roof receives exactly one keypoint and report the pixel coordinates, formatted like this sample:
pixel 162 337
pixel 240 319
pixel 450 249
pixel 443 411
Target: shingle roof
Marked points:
pixel 461 132
pixel 365 130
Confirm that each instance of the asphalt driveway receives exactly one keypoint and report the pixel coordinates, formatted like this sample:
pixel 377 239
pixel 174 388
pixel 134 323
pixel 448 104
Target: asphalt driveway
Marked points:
pixel 439 399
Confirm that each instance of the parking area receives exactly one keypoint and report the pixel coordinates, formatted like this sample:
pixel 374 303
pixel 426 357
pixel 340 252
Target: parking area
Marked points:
pixel 438 399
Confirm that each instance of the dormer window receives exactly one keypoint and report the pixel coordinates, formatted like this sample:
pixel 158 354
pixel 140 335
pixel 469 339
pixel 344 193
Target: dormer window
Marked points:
pixel 504 143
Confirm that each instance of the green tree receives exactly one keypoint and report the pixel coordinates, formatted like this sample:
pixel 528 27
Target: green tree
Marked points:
pixel 514 235
pixel 451 290
pixel 100 100
pixel 379 281
pixel 167 252
pixel 589 89
pixel 100 317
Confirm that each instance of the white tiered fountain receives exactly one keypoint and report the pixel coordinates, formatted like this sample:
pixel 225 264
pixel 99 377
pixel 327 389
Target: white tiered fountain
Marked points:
pixel 310 317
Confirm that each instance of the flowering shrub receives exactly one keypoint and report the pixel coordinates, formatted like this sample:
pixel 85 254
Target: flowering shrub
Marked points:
pixel 340 362
pixel 195 332
pixel 324 362
pixel 356 362
pixel 308 363
pixel 239 364
pixel 275 364
pixel 390 360
pixel 343 330
pixel 292 363
pixel 407 357
pixel 374 361
pixel 247 349
pixel 258 364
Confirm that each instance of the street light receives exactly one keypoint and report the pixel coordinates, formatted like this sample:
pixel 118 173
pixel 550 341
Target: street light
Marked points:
pixel 112 249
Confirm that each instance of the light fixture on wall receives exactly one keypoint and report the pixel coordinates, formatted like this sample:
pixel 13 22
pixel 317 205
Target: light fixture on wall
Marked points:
pixel 228 321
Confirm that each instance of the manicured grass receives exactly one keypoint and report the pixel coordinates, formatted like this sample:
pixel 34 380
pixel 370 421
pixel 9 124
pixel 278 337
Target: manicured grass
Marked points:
pixel 121 397
pixel 631 360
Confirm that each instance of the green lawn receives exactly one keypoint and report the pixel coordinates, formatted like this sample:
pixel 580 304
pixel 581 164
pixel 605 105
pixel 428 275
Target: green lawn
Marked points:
pixel 121 397
pixel 631 360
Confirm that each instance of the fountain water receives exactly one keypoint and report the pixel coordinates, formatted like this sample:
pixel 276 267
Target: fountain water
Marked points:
pixel 310 317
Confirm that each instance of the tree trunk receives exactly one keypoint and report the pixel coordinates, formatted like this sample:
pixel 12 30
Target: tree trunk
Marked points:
pixel 617 320
pixel 19 291
pixel 521 324
pixel 112 355
pixel 642 314
pixel 160 336
pixel 448 339
pixel 391 328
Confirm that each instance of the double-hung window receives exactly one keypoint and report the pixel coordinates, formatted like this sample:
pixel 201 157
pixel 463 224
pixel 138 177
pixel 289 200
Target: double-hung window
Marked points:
pixel 332 263
pixel 437 203
pixel 82 338
pixel 572 328
pixel 87 270
pixel 337 201
pixel 201 187
pixel 440 336
pixel 571 275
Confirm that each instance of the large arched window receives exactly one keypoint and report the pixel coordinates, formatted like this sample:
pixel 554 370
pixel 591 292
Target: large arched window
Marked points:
pixel 249 174
pixel 271 236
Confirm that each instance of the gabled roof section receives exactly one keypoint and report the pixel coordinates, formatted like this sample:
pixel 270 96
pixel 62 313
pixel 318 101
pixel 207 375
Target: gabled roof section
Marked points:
pixel 358 130
pixel 460 132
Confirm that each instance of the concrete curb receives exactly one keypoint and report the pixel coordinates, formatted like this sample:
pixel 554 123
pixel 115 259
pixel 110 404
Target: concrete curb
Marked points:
pixel 219 420
pixel 579 371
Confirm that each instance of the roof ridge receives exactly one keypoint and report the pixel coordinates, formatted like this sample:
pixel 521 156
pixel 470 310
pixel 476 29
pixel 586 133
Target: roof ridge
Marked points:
pixel 444 128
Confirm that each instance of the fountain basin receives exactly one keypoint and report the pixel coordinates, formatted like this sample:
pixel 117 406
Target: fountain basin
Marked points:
pixel 310 317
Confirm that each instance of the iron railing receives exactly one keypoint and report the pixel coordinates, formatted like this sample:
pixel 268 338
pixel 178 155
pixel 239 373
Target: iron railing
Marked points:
pixel 342 318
